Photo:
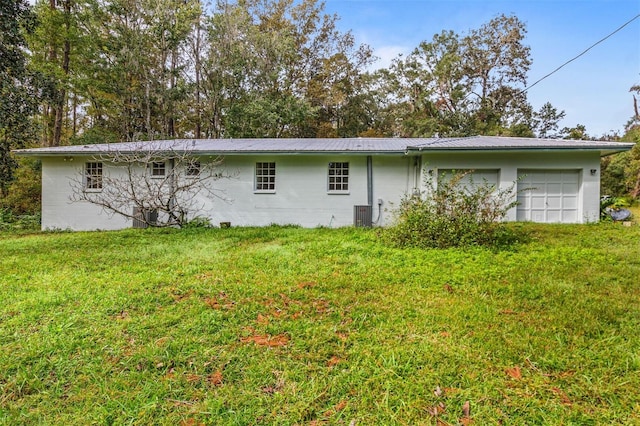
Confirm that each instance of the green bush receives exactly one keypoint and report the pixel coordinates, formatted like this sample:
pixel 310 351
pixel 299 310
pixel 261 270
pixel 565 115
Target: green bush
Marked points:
pixel 23 195
pixel 11 222
pixel 453 212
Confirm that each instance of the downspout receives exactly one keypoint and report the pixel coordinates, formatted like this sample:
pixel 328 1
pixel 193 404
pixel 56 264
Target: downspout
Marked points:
pixel 172 186
pixel 369 180
pixel 417 174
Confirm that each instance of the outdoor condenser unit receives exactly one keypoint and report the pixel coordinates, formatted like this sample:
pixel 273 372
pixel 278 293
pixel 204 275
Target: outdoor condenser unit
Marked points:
pixel 362 216
pixel 143 217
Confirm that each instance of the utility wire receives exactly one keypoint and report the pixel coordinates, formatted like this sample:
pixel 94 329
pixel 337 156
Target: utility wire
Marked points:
pixel 582 53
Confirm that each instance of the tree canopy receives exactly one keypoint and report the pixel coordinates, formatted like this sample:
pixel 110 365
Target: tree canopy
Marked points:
pixel 90 71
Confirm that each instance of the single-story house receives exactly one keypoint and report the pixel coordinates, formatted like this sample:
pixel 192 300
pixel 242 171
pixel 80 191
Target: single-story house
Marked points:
pixel 339 182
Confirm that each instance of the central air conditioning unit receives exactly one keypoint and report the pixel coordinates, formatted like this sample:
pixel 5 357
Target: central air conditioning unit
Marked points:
pixel 362 216
pixel 142 218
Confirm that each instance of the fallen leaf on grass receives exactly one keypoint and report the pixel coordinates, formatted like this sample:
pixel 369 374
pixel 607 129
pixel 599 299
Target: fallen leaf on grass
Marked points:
pixel 190 422
pixel 266 340
pixel 436 410
pixel 334 360
pixel 466 409
pixel 448 288
pixel 277 386
pixel 215 378
pixel 342 336
pixel 263 320
pixel 437 391
pixel 170 374
pixel 192 378
pixel 306 284
pixel 219 302
pixel 177 295
pixel 514 372
pixel 122 315
pixel 322 306
pixel 563 396
pixel 466 414
pixel 335 409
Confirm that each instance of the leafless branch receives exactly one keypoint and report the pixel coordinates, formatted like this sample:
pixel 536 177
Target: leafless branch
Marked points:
pixel 151 183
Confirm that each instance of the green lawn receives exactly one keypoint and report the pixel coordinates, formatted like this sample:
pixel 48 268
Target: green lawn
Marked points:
pixel 293 326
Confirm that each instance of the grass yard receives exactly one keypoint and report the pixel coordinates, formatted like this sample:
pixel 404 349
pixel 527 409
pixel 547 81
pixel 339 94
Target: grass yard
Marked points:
pixel 308 327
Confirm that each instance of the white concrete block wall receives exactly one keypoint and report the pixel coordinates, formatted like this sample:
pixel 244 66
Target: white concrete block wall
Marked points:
pixel 301 196
pixel 510 163
pixel 58 212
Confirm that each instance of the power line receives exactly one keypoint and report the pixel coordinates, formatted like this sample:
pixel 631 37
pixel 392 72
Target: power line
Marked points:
pixel 582 53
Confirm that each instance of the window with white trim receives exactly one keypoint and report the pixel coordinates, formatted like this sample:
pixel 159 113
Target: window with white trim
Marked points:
pixel 93 176
pixel 193 169
pixel 338 177
pixel 265 176
pixel 158 169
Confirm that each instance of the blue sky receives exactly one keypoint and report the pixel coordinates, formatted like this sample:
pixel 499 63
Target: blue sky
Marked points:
pixel 593 90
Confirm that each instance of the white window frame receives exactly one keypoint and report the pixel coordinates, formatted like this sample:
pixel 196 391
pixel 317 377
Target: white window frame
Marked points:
pixel 156 167
pixel 193 169
pixel 93 172
pixel 338 177
pixel 265 177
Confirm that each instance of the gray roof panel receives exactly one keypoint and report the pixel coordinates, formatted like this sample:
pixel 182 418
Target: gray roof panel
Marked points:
pixel 333 146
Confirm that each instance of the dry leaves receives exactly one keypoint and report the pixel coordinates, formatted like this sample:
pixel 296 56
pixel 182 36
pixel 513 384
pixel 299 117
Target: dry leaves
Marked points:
pixel 563 396
pixel 215 378
pixel 466 414
pixel 334 360
pixel 219 302
pixel 514 372
pixel 266 340
pixel 307 284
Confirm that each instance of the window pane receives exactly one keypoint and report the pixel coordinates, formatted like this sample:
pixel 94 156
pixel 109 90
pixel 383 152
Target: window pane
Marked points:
pixel 265 178
pixel 193 168
pixel 93 175
pixel 338 176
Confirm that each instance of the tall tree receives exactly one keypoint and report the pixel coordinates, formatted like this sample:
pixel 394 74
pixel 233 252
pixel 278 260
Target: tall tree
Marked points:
pixel 278 69
pixel 546 121
pixel 18 86
pixel 458 85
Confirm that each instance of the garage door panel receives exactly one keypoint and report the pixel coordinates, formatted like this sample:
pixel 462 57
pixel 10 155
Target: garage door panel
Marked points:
pixel 537 216
pixel 554 202
pixel 538 203
pixel 548 195
pixel 524 202
pixel 554 216
pixel 554 188
pixel 570 203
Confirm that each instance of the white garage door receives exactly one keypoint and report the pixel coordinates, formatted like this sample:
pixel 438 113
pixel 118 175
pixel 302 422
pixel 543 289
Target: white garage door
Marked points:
pixel 548 195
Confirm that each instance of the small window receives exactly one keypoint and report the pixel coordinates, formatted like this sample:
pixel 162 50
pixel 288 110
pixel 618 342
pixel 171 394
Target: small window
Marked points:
pixel 158 169
pixel 193 169
pixel 265 176
pixel 93 176
pixel 338 177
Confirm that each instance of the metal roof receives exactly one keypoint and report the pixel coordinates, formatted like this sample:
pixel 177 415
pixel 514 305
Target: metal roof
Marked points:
pixel 363 146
